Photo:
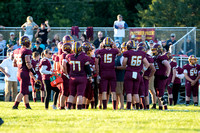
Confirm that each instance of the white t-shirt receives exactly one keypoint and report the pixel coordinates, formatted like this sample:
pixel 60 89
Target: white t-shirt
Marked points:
pixel 119 32
pixel 7 64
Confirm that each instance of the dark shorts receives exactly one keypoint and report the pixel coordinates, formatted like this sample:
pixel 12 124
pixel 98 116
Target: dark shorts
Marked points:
pixel 142 88
pixel 159 85
pixel 89 91
pixel 168 88
pixel 131 85
pixel 77 86
pixel 24 80
pixel 193 89
pixel 146 84
pixel 108 78
pixel 65 86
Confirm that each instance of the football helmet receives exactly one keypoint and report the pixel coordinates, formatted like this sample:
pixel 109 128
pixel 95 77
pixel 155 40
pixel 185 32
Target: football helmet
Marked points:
pixel 157 49
pixel 67 47
pixel 87 48
pixel 123 47
pixel 142 49
pixel 131 44
pixel 77 47
pixel 24 41
pixel 194 58
pixel 38 85
pixel 141 45
pixel 107 42
pixel 68 39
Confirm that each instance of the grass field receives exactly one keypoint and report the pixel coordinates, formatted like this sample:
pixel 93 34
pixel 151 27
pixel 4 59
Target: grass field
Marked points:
pixel 177 119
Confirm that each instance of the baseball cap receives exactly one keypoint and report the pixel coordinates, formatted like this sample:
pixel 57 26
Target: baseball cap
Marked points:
pixel 151 41
pixel 173 34
pixel 12 33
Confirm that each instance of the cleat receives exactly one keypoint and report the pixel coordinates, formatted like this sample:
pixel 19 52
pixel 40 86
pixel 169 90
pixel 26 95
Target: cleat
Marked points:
pixel 28 107
pixel 14 107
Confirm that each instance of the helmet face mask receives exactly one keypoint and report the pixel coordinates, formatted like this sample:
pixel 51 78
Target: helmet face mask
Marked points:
pixel 131 45
pixel 157 49
pixel 37 85
pixel 192 59
pixel 67 47
pixel 87 48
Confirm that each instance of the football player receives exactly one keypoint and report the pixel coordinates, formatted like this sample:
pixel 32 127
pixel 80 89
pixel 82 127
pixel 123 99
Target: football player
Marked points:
pixel 35 63
pixel 148 74
pixel 66 48
pixel 22 60
pixel 79 67
pixel 107 70
pixel 191 72
pixel 163 69
pixel 133 61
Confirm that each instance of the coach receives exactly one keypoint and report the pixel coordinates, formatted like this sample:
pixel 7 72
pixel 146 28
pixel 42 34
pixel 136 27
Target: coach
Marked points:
pixel 10 76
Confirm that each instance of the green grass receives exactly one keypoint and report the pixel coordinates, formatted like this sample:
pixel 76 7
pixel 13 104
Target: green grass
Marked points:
pixel 178 119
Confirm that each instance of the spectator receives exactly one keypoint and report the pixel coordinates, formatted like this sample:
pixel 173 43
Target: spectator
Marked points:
pixel 12 39
pixel 38 48
pixel 54 49
pixel 119 28
pixel 143 37
pixel 2 45
pixel 189 47
pixel 170 42
pixel 133 37
pixel 10 76
pixel 99 40
pixel 56 38
pixel 48 44
pixel 43 33
pixel 29 27
pixel 10 47
pixel 83 38
pixel 39 40
pixel 16 46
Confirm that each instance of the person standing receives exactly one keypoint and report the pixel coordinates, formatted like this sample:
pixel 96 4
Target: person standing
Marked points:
pixel 98 40
pixel 10 76
pixel 29 27
pixel 119 28
pixel 43 32
pixel 2 45
pixel 170 42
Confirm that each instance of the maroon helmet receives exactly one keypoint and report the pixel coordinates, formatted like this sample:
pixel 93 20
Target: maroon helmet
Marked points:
pixel 87 48
pixel 67 47
pixel 131 44
pixel 142 49
pixel 107 42
pixel 157 49
pixel 141 45
pixel 77 47
pixel 24 41
pixel 68 39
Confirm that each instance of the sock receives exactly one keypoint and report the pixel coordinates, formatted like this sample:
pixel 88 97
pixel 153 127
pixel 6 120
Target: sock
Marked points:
pixel 27 105
pixel 133 105
pixel 187 102
pixel 147 106
pixel 42 99
pixel 66 103
pixel 154 106
pixel 74 106
pixel 62 107
pixel 83 106
pixel 137 105
pixel 165 107
pixel 104 104
pixel 86 106
pixel 114 104
pixel 160 107
pixel 16 104
pixel 34 99
pixel 141 106
pixel 170 101
pixel 100 107
pixel 128 106
pixel 69 105
pixel 79 106
pixel 92 104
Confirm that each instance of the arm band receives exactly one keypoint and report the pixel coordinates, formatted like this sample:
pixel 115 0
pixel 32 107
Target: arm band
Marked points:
pixel 88 70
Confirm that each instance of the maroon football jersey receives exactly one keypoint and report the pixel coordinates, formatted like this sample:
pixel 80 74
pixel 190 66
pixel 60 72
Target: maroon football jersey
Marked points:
pixel 173 65
pixel 63 57
pixel 160 67
pixel 150 60
pixel 45 62
pixel 107 56
pixel 179 70
pixel 60 51
pixel 192 71
pixel 54 56
pixel 77 64
pixel 20 55
pixel 35 64
pixel 135 60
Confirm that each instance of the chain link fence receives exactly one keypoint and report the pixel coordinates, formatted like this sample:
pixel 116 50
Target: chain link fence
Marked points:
pixel 161 33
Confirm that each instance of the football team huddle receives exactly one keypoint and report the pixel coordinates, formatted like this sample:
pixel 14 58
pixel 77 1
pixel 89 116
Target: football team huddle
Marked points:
pixel 81 67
